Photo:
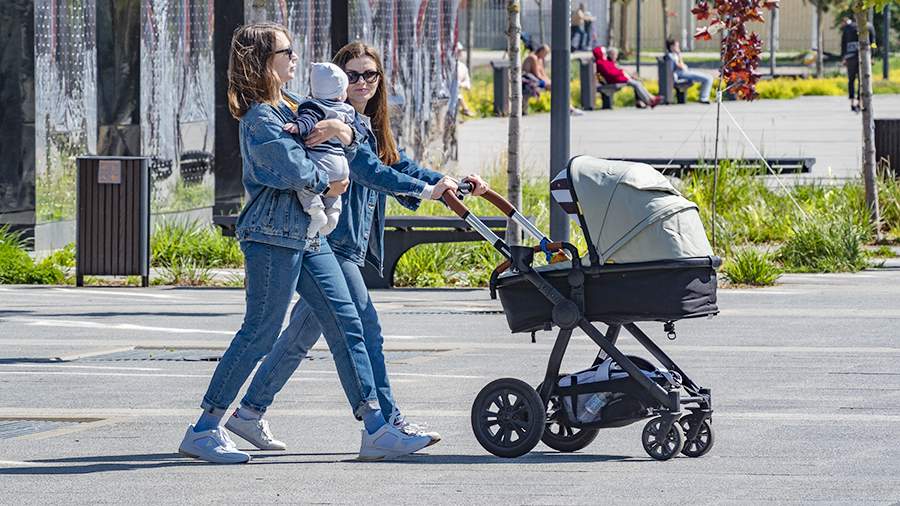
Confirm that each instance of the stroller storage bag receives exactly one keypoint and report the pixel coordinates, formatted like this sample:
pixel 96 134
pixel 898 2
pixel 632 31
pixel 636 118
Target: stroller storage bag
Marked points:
pixel 607 392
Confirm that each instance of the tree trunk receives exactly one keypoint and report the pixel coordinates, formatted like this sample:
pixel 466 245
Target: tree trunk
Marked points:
pixel 514 185
pixel 623 26
pixel 540 4
pixel 820 39
pixel 868 118
pixel 470 37
pixel 610 23
pixel 665 20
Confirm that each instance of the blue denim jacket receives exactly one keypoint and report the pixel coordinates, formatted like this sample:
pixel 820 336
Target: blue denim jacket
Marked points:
pixel 359 235
pixel 275 167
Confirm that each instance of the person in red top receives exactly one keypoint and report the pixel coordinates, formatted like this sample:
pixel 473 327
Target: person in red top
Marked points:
pixel 613 74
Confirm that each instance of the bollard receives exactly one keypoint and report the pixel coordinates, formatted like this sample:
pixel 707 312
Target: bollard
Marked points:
pixel 501 87
pixel 588 74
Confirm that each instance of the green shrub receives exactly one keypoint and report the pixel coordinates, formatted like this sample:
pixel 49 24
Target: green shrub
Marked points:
pixel 751 267
pixel 883 251
pixel 184 271
pixel 826 243
pixel 17 267
pixel 203 245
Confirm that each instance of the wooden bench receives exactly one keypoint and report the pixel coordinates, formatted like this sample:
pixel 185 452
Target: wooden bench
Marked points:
pixel 668 84
pixel 680 166
pixel 402 233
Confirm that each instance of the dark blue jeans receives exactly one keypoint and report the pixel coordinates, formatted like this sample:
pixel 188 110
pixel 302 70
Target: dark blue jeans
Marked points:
pixel 301 334
pixel 273 273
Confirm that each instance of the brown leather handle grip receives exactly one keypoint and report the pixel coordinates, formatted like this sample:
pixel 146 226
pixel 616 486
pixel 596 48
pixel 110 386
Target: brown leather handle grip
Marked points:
pixel 449 197
pixel 491 196
pixel 499 202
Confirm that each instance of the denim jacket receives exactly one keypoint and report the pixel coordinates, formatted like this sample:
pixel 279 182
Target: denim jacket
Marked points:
pixel 275 167
pixel 359 235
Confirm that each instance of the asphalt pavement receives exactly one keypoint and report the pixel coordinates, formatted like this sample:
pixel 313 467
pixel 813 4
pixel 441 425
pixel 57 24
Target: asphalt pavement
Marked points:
pixel 97 386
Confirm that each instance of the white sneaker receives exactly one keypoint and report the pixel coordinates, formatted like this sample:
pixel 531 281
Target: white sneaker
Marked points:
pixel 388 441
pixel 212 446
pixel 255 432
pixel 399 421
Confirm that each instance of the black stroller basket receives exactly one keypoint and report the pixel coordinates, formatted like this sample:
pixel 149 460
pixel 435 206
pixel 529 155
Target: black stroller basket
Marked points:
pixel 509 417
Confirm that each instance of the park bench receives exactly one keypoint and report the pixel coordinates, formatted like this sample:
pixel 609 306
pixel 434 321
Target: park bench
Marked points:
pixel 668 85
pixel 591 83
pixel 679 167
pixel 402 233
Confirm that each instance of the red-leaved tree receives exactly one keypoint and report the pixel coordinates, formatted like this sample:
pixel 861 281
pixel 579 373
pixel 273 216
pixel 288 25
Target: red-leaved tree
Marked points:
pixel 740 47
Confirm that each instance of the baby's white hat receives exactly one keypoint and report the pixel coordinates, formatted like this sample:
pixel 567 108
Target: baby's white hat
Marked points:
pixel 327 80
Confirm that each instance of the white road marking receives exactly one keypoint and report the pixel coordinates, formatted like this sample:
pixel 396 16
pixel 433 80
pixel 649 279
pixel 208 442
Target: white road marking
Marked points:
pixel 115 326
pixel 124 293
pixel 69 366
pixel 140 375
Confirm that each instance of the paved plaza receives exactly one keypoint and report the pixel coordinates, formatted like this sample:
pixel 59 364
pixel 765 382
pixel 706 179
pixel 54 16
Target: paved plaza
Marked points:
pixel 804 376
pixel 818 127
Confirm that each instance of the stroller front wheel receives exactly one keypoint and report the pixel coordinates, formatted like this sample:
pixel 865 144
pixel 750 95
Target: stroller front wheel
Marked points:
pixel 703 443
pixel 659 446
pixel 508 417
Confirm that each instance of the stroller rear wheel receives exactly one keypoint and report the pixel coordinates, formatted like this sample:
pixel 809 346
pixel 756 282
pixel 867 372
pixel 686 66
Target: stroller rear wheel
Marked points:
pixel 508 417
pixel 558 434
pixel 659 446
pixel 703 443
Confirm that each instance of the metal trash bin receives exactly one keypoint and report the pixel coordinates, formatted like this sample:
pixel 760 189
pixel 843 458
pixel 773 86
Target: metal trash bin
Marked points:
pixel 501 87
pixel 887 143
pixel 588 73
pixel 113 217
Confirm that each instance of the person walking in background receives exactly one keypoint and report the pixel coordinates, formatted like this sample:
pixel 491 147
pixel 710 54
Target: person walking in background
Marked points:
pixel 463 81
pixel 580 33
pixel 850 58
pixel 611 73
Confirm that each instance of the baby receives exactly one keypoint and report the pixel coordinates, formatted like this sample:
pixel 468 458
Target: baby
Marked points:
pixel 328 87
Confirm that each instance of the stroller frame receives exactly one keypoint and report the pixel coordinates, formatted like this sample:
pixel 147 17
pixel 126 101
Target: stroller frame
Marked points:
pixel 669 433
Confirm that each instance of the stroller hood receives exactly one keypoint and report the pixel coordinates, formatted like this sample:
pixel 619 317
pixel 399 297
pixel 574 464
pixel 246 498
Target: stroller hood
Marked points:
pixel 630 212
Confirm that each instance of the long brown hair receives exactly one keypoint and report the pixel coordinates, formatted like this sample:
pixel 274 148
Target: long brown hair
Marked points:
pixel 377 107
pixel 250 78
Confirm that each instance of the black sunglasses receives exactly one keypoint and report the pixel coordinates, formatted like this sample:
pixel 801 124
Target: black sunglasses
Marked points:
pixel 369 76
pixel 288 51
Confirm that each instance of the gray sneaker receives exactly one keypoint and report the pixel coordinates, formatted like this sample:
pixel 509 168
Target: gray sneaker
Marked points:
pixel 400 422
pixel 212 446
pixel 255 432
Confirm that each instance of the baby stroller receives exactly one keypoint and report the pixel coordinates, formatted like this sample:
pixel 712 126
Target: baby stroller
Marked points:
pixel 648 260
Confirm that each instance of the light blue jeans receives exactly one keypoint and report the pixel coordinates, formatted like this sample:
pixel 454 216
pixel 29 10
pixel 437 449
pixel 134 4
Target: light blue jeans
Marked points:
pixel 273 273
pixel 705 81
pixel 301 334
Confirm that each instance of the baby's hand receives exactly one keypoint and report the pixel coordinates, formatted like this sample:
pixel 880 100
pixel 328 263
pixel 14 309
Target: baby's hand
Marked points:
pixel 291 128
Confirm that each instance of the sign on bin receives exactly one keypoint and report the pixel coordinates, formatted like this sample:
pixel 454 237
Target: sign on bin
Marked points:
pixel 109 172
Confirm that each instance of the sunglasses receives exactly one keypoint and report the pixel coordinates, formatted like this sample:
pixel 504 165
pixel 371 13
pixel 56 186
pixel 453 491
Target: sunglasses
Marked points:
pixel 288 51
pixel 369 76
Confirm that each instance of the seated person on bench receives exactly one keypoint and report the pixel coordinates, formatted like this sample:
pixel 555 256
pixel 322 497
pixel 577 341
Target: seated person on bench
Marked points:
pixel 535 79
pixel 610 73
pixel 683 73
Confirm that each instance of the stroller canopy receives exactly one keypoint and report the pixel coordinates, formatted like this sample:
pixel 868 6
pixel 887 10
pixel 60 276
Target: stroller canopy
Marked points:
pixel 629 212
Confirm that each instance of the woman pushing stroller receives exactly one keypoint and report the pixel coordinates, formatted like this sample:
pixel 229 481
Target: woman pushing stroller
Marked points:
pixel 279 258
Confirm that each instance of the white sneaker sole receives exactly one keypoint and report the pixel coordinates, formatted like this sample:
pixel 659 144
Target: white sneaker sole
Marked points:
pixel 182 451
